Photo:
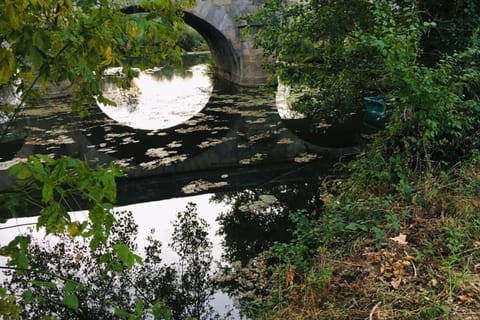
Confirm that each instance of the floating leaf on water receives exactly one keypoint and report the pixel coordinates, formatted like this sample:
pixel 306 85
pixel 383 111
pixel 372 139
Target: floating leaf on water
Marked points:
pixel 107 150
pixel 129 140
pixel 200 185
pixel 158 153
pixel 174 144
pixel 257 157
pixel 59 140
pixel 268 199
pixel 285 141
pixel 167 161
pixel 259 136
pixel 265 201
pixel 259 120
pixel 156 133
pixel 213 142
pixel 305 158
pixel 110 136
pixel 123 163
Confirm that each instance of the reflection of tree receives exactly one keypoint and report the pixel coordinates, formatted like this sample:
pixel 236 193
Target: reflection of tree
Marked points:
pixel 190 241
pixel 168 72
pixel 99 282
pixel 129 97
pixel 258 218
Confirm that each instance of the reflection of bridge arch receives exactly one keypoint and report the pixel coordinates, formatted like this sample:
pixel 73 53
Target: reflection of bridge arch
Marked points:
pixel 217 21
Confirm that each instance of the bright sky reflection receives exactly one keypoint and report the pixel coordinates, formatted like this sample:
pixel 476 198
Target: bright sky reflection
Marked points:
pixel 157 215
pixel 155 102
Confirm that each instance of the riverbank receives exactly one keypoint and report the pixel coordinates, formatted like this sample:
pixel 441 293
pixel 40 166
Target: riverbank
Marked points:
pixel 378 253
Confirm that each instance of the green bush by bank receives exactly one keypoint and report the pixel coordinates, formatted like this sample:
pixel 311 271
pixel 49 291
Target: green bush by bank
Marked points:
pixel 418 178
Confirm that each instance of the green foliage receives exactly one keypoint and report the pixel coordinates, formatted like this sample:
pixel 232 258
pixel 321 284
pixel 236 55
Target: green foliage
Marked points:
pixel 307 46
pixel 434 312
pixel 59 182
pixel 258 218
pixel 299 251
pixel 190 40
pixel 8 306
pixel 332 57
pixel 422 167
pixel 455 22
pixel 73 42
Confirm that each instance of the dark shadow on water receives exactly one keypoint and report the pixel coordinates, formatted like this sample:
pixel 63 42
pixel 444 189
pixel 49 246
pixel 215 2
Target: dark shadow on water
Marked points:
pixel 260 217
pixel 344 134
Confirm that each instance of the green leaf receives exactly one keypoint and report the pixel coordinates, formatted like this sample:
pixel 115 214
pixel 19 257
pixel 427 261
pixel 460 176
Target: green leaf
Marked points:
pixel 161 311
pixel 46 284
pixel 46 159
pixel 356 227
pixel 40 40
pixel 20 171
pixel 74 229
pixel 27 297
pixel 379 233
pixel 71 301
pixel 70 286
pixel 122 314
pixel 126 255
pixel 139 307
pixel 8 66
pixel 47 192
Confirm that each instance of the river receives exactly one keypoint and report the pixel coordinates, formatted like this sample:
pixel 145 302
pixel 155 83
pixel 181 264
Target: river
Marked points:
pixel 185 137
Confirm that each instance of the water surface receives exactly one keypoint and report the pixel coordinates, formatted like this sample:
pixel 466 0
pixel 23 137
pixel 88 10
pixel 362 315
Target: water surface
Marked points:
pixel 158 99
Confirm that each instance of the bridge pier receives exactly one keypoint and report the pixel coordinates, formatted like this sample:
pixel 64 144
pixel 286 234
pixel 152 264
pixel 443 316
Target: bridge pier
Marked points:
pixel 235 57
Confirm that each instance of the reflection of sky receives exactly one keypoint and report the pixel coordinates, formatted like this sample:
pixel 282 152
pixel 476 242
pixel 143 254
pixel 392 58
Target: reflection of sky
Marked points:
pixel 158 103
pixel 157 215
pixel 283 100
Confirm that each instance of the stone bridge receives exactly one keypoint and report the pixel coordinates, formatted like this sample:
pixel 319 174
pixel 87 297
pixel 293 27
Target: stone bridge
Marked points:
pixel 220 24
pixel 217 21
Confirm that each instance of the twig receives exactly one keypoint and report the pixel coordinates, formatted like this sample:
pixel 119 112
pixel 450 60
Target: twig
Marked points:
pixel 470 250
pixel 349 263
pixel 414 269
pixel 18 225
pixel 374 309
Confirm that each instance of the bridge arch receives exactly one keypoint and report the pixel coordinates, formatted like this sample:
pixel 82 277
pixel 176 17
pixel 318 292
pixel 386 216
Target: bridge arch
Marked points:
pixel 227 61
pixel 235 57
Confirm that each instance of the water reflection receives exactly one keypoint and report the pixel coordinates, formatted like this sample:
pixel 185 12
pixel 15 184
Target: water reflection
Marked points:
pixel 259 217
pixel 103 284
pixel 161 97
pixel 226 228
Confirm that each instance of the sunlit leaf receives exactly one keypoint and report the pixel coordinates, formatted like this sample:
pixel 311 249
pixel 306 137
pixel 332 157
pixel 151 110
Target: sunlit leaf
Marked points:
pixel 20 170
